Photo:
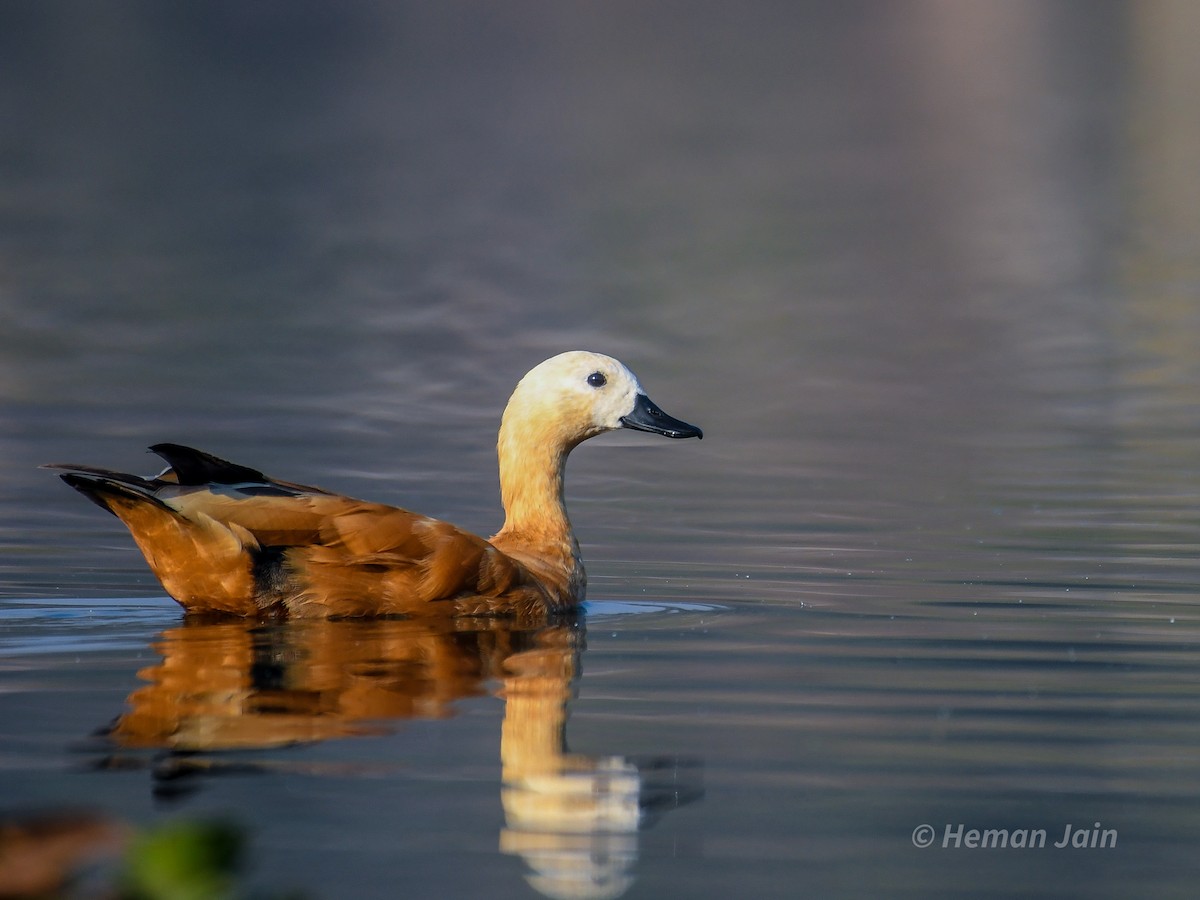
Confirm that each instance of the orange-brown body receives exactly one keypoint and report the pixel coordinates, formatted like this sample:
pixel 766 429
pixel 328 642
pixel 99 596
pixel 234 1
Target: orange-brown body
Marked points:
pixel 225 538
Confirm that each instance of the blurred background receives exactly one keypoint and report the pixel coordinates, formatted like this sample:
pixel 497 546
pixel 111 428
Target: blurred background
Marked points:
pixel 311 236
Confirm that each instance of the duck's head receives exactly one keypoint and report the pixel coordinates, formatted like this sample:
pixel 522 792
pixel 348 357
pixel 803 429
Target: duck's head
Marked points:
pixel 580 394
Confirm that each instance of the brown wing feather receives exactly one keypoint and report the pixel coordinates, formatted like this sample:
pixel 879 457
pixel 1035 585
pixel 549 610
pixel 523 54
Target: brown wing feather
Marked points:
pixel 390 561
pixel 282 520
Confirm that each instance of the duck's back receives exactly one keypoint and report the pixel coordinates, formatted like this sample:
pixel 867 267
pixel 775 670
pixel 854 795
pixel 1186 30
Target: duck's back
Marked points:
pixel 225 538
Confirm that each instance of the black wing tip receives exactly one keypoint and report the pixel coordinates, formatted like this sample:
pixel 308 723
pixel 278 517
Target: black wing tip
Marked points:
pixel 195 467
pixel 164 448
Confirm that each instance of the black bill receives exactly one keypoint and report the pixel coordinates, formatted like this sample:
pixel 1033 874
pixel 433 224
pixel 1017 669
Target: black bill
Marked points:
pixel 648 417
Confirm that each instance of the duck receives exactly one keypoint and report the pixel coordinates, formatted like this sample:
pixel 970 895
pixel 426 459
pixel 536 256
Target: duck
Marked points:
pixel 225 539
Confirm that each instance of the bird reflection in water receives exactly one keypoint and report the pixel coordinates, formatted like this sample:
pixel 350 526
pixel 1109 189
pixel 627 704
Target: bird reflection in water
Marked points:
pixel 232 685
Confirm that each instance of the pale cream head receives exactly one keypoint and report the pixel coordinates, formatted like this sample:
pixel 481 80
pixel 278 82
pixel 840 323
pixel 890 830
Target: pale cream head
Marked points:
pixel 558 404
pixel 579 394
pixel 585 393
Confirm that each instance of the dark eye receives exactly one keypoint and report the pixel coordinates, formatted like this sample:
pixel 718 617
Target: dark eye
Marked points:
pixel 597 379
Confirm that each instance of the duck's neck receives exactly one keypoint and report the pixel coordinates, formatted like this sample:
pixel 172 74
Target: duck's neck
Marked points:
pixel 536 529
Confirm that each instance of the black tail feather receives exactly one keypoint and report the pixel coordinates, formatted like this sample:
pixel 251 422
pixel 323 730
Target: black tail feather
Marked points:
pixel 99 487
pixel 123 477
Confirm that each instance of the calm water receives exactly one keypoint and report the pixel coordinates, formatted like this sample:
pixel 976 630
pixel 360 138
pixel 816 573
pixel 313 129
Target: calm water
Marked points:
pixel 926 274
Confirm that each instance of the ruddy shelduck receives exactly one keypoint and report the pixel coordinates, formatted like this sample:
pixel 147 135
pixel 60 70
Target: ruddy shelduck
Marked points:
pixel 224 538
